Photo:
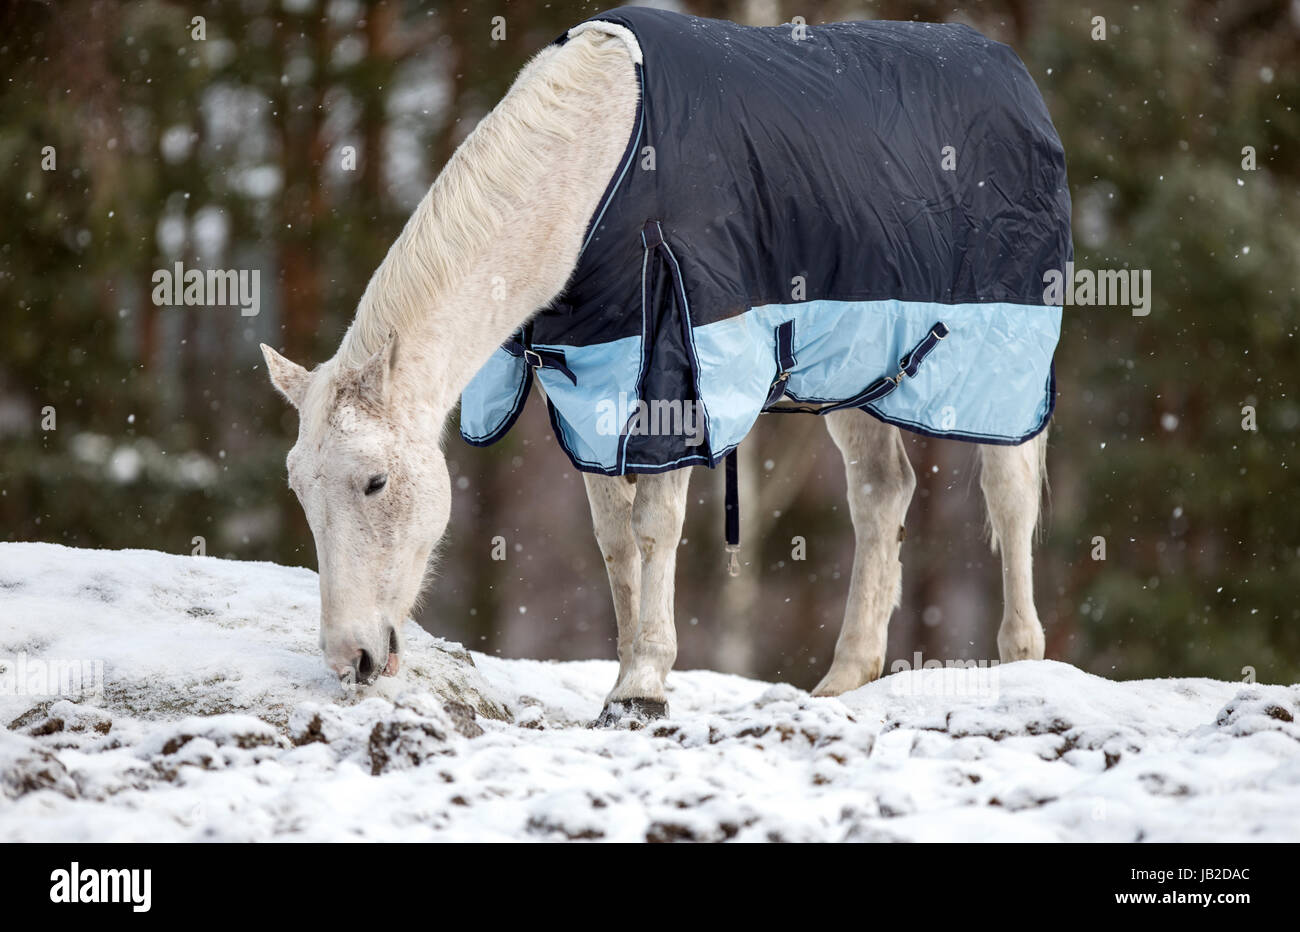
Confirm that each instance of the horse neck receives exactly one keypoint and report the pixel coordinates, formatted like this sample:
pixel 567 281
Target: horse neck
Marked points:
pixel 563 127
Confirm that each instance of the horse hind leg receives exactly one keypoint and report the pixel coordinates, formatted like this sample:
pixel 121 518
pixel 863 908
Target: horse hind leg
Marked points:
pixel 880 485
pixel 1012 479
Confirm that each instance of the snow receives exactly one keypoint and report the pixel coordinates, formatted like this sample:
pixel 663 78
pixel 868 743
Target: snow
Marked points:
pixel 216 719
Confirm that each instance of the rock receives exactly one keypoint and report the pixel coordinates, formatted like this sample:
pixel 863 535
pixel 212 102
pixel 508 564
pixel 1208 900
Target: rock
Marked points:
pixel 26 767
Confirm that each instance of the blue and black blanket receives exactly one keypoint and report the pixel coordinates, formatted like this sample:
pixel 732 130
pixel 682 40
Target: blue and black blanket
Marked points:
pixel 806 218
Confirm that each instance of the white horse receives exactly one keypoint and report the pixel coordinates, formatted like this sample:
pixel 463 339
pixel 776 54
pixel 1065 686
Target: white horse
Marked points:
pixel 512 206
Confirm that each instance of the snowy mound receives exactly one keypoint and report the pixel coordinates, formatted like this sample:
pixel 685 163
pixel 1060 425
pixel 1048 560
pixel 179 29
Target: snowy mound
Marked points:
pixel 214 718
pixel 171 636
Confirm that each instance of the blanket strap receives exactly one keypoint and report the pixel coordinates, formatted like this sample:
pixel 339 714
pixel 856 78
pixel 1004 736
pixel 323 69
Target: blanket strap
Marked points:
pixel 909 364
pixel 784 362
pixel 732 516
pixel 520 347
pixel 907 368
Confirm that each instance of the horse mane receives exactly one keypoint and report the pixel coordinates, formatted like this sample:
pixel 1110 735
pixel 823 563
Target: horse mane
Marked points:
pixel 486 178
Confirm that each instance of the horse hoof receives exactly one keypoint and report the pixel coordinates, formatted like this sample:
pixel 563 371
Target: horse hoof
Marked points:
pixel 634 713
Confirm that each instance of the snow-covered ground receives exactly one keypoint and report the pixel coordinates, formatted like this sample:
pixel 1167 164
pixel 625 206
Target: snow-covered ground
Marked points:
pixel 208 714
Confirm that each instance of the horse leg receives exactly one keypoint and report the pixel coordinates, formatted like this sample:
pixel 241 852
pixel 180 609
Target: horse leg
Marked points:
pixel 880 486
pixel 658 510
pixel 611 500
pixel 1012 480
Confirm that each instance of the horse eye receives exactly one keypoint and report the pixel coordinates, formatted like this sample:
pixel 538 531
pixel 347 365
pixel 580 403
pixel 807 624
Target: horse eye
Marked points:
pixel 376 483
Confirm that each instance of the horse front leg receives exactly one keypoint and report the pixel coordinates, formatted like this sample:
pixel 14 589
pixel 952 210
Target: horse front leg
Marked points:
pixel 658 510
pixel 611 500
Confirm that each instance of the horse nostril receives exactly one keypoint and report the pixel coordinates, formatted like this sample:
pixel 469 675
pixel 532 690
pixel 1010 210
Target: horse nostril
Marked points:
pixel 365 667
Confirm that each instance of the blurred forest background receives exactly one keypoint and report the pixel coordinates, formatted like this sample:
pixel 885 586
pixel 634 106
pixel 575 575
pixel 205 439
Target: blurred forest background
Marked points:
pixel 229 152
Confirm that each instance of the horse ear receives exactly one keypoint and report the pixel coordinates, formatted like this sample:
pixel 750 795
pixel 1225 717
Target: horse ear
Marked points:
pixel 289 377
pixel 376 375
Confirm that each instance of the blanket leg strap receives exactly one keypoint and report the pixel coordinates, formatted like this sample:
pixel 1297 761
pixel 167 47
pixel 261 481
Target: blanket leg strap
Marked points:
pixel 732 516
pixel 907 367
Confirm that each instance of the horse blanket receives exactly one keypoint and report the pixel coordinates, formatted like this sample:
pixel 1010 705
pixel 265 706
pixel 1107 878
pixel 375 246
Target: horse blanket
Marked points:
pixel 808 219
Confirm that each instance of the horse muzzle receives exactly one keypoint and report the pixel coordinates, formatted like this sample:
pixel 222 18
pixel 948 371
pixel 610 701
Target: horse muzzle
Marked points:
pixel 363 665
